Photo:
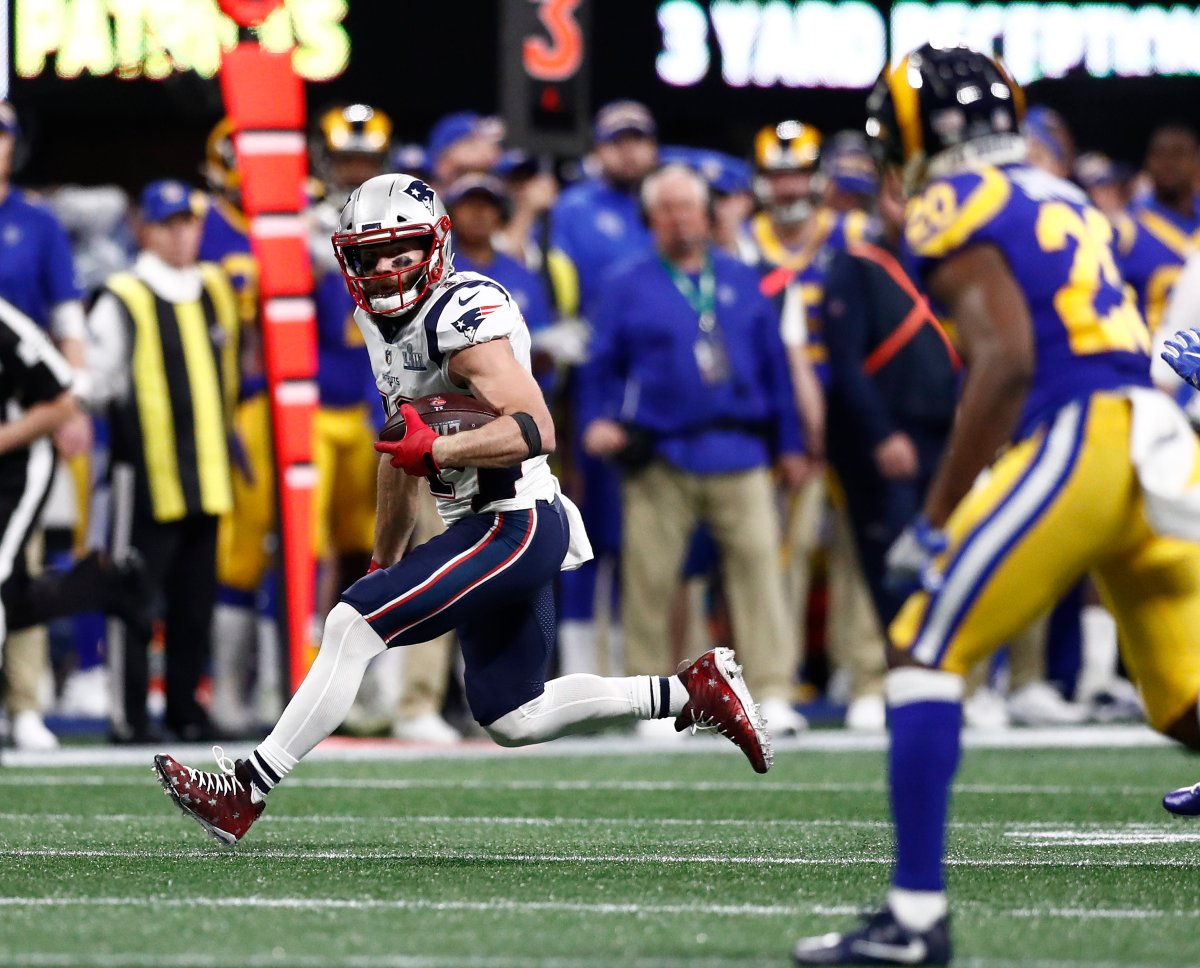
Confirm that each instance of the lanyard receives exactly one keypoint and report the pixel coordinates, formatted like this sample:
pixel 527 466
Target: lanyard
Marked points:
pixel 703 297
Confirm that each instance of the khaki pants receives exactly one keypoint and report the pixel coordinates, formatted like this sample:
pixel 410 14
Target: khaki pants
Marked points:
pixel 427 665
pixel 853 634
pixel 27 653
pixel 662 506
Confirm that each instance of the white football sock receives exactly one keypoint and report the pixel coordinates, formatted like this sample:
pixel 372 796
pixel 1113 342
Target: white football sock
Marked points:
pixel 234 652
pixel 577 647
pixel 582 703
pixel 325 695
pixel 917 910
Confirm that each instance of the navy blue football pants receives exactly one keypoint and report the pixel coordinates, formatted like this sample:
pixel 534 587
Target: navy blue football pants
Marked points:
pixel 490 576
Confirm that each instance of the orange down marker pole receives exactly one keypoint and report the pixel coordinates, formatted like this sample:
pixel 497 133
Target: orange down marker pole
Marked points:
pixel 264 98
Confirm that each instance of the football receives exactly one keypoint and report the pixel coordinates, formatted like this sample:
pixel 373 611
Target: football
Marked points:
pixel 447 413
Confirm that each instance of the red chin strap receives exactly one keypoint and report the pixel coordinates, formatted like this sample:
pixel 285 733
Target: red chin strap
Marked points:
pixel 354 283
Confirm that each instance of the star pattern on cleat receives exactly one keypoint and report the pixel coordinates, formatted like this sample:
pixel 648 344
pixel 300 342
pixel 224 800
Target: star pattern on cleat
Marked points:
pixel 718 700
pixel 221 802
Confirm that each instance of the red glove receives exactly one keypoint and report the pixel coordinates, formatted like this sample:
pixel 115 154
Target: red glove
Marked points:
pixel 413 454
pixel 374 566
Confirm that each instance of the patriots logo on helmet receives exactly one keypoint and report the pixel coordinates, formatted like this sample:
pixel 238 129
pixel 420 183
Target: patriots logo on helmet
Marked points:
pixel 421 192
pixel 472 319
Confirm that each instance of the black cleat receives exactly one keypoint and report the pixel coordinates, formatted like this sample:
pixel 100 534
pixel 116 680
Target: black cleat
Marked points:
pixel 882 940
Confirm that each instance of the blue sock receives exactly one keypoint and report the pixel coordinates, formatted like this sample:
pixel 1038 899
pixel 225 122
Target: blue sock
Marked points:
pixel 921 764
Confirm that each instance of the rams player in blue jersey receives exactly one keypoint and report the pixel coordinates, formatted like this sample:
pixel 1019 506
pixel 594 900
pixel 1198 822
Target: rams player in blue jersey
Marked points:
pixel 244 535
pixel 1058 380
pixel 1157 237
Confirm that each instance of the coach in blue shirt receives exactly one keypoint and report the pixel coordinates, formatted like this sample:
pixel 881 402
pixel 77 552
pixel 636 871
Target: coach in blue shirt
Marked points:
pixel 688 378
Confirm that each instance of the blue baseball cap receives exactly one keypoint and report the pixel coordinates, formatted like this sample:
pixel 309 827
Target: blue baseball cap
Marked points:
pixel 1047 127
pixel 848 163
pixel 515 163
pixel 725 174
pixel 411 158
pixel 621 117
pixel 8 119
pixel 167 197
pixel 450 129
pixel 1096 168
pixel 475 184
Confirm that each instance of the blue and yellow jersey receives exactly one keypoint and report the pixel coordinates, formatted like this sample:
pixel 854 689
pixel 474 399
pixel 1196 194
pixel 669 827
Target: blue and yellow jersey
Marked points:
pixel 1088 334
pixel 806 266
pixel 225 241
pixel 1153 242
pixel 341 352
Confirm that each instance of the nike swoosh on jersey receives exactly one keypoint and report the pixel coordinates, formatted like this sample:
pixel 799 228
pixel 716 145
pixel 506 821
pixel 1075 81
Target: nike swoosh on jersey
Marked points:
pixel 912 953
pixel 463 300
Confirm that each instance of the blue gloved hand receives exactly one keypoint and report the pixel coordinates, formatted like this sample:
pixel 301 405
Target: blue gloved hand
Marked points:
pixel 910 559
pixel 1182 354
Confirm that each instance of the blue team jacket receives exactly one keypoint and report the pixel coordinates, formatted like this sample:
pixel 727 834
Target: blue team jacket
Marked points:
pixel 642 369
pixel 598 226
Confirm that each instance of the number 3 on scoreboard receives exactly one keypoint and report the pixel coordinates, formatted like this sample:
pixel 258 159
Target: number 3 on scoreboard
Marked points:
pixel 1093 271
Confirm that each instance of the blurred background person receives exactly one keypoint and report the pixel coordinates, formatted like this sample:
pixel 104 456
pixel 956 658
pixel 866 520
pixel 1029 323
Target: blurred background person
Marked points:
pixel 850 180
pixel 1049 142
pixel 245 686
pixel 462 143
pixel 164 351
pixel 1106 181
pixel 792 240
pixel 713 411
pixel 596 223
pixel 1164 229
pixel 892 395
pixel 38 277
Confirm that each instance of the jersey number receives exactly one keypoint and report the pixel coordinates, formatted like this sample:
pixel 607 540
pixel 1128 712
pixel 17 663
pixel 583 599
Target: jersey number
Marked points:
pixel 1092 270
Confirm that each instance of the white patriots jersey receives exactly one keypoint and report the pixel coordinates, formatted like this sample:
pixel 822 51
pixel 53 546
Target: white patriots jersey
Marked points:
pixel 463 310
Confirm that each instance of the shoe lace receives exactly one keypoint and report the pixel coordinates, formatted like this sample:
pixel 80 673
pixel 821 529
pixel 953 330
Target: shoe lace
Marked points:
pixel 703 721
pixel 225 782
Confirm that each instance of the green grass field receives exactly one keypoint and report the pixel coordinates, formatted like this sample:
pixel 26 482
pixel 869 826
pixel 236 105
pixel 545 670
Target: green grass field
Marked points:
pixel 1059 858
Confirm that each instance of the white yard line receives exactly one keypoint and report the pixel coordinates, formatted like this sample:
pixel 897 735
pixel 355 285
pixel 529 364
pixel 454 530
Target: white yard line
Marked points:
pixel 572 907
pixel 140 959
pixel 21 778
pixel 817 741
pixel 1049 830
pixel 272 853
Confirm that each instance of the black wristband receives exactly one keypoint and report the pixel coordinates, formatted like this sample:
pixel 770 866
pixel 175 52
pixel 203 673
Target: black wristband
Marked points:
pixel 529 430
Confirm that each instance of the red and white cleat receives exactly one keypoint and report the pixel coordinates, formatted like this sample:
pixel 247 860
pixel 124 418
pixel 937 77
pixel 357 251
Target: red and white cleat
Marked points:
pixel 719 699
pixel 219 802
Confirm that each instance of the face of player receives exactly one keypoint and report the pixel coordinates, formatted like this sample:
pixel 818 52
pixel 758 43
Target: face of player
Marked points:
pixel 679 218
pixel 628 158
pixel 477 153
pixel 176 241
pixel 789 187
pixel 1173 162
pixel 399 260
pixel 476 219
pixel 730 211
pixel 1111 198
pixel 349 169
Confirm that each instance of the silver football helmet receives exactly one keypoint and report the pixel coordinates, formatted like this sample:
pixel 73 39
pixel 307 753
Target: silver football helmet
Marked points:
pixel 384 209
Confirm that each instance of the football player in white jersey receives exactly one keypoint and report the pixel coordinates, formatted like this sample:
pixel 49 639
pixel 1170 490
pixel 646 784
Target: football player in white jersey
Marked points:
pixel 490 575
